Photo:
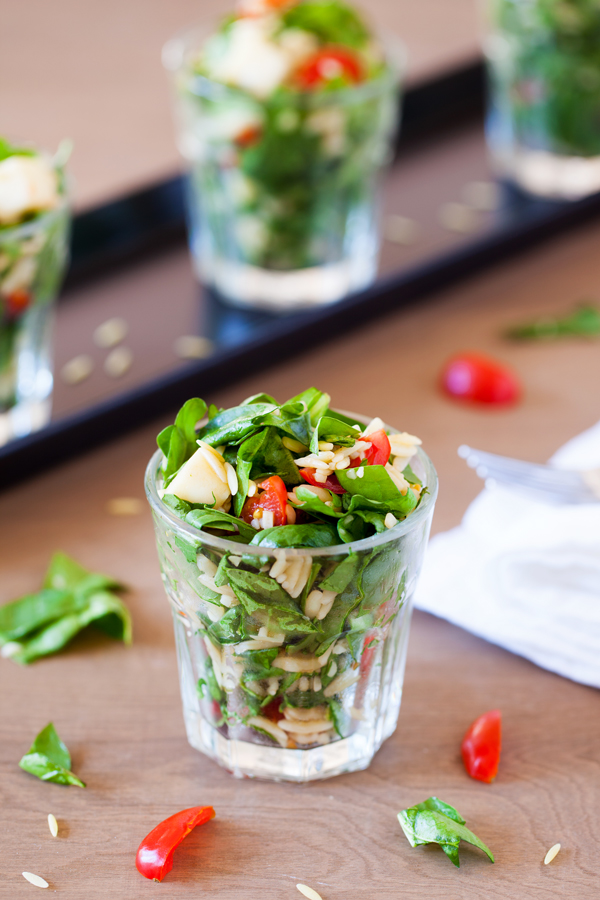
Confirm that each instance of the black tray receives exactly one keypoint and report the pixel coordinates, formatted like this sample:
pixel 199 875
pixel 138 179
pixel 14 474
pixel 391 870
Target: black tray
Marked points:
pixel 124 233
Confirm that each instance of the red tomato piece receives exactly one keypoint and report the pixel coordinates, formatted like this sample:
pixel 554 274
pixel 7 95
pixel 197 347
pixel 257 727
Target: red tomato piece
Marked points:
pixel 249 136
pixel 380 450
pixel 17 302
pixel 331 484
pixel 155 854
pixel 273 710
pixel 273 497
pixel 481 746
pixel 328 64
pixel 480 379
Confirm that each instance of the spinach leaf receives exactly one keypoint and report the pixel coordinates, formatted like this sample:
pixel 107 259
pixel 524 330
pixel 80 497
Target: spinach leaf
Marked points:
pixel 206 517
pixel 268 456
pixel 310 535
pixel 334 430
pixel 332 21
pixel 227 629
pixel 49 759
pixel 410 476
pixel 257 591
pixel 259 398
pixel 583 322
pixel 179 507
pixel 178 442
pixel 375 490
pixel 72 598
pixel 311 503
pixel 436 822
pixel 189 550
pixel 316 403
pixel 350 596
pixel 341 576
pixel 233 425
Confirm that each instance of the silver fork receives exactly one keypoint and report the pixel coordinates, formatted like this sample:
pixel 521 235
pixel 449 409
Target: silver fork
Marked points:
pixel 557 485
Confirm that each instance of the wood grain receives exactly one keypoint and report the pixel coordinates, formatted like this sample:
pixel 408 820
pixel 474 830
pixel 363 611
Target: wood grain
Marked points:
pixel 119 711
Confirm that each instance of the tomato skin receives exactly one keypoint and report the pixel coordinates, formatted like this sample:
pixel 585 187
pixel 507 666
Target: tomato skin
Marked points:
pixel 154 857
pixel 248 137
pixel 273 498
pixel 380 450
pixel 332 484
pixel 326 64
pixel 17 302
pixel 273 710
pixel 480 379
pixel 481 746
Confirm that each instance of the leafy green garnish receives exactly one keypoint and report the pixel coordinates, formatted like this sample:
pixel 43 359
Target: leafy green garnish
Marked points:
pixel 309 502
pixel 178 441
pixel 49 759
pixel 331 21
pixel 375 490
pixel 333 430
pixel 584 322
pixel 313 535
pixel 257 591
pixel 206 517
pixel 71 599
pixel 436 822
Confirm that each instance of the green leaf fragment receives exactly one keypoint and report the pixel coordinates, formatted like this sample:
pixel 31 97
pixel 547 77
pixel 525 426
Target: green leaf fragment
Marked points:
pixel 49 759
pixel 583 322
pixel 436 822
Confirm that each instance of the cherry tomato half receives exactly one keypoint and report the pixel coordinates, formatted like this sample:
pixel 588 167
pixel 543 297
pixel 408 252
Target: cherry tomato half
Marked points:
pixel 380 450
pixel 480 379
pixel 272 496
pixel 327 65
pixel 17 302
pixel 481 746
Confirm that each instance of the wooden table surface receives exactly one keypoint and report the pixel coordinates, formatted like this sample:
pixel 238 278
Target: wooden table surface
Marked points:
pixel 118 708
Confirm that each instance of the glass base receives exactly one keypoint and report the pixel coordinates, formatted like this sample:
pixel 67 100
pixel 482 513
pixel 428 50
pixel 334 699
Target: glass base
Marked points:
pixel 246 760
pixel 246 285
pixel 550 174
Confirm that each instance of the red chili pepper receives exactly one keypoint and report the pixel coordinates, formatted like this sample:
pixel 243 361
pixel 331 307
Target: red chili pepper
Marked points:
pixel 273 497
pixel 155 854
pixel 328 64
pixel 480 379
pixel 481 746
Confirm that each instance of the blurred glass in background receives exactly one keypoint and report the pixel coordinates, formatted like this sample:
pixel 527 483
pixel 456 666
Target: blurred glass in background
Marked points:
pixel 543 124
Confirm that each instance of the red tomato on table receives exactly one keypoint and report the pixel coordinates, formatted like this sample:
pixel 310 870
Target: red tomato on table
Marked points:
pixel 481 746
pixel 480 379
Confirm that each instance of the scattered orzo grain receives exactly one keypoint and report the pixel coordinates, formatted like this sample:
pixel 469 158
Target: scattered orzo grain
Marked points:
pixel 77 369
pixel 118 362
pixel 110 333
pixel 124 506
pixel 552 852
pixel 308 892
pixel 35 879
pixel 193 346
pixel 52 825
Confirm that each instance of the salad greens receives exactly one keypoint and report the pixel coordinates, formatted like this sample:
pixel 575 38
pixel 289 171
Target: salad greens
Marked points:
pixel 34 231
pixel 436 822
pixel 288 154
pixel 546 73
pixel 583 322
pixel 284 634
pixel 71 598
pixel 49 759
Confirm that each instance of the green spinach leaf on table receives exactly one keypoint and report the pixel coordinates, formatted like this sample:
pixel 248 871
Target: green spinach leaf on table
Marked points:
pixel 436 822
pixel 49 759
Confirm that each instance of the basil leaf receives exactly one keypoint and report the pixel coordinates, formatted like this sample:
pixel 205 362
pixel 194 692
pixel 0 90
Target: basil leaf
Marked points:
pixel 178 442
pixel 436 822
pixel 313 535
pixel 334 430
pixel 49 759
pixel 375 490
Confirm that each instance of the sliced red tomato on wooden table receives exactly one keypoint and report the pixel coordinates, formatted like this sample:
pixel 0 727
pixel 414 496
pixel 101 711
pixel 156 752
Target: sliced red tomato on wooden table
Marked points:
pixel 480 379
pixel 481 746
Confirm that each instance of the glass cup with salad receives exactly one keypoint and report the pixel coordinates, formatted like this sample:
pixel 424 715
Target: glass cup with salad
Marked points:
pixel 34 233
pixel 290 538
pixel 544 98
pixel 285 118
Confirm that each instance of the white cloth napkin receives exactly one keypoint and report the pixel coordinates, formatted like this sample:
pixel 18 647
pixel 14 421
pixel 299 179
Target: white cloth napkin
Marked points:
pixel 525 574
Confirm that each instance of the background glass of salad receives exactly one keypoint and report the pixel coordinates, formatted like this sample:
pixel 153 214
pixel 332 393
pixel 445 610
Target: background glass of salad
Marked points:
pixel 248 704
pixel 283 181
pixel 543 123
pixel 33 257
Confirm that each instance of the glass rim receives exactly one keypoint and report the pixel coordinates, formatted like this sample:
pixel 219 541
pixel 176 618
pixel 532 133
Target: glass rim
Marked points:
pixel 175 54
pixel 410 523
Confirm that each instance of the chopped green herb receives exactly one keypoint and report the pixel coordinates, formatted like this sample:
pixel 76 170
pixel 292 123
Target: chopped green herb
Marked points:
pixel 49 759
pixel 436 822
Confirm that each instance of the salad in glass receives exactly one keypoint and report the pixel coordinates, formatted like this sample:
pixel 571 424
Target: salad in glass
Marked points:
pixel 285 114
pixel 290 537
pixel 544 68
pixel 34 231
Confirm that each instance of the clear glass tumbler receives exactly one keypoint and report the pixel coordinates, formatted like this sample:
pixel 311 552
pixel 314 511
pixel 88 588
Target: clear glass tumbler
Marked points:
pixel 544 97
pixel 255 699
pixel 282 192
pixel 33 259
